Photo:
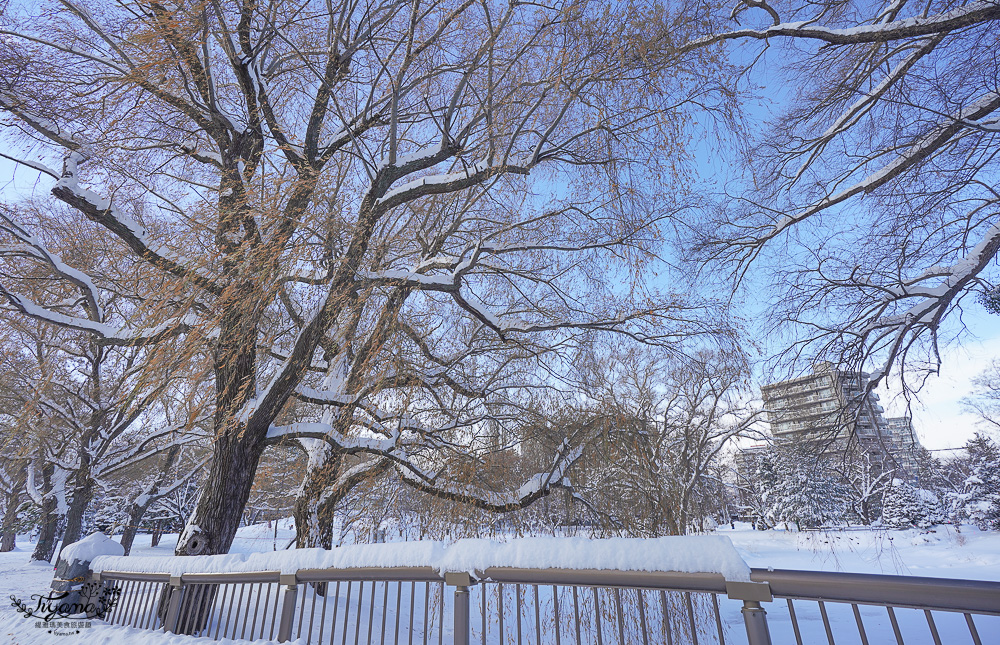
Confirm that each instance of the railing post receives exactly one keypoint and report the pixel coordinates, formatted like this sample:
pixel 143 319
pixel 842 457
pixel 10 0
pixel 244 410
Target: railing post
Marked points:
pixel 755 619
pixel 288 606
pixel 174 604
pixel 461 582
pixel 754 616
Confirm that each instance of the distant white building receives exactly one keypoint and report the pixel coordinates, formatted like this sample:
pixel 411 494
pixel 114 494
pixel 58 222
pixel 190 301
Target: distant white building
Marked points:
pixel 905 445
pixel 827 405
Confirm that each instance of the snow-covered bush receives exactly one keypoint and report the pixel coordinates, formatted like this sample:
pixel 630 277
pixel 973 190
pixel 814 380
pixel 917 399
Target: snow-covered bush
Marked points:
pixel 979 501
pixel 905 506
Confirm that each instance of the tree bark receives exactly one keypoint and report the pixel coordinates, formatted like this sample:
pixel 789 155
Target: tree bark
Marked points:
pixel 135 514
pixel 216 517
pixel 51 520
pixel 83 493
pixel 8 532
pixel 313 517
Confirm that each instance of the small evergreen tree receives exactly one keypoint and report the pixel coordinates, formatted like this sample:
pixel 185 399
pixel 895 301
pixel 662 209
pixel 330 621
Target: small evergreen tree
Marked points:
pixel 904 506
pixel 806 491
pixel 979 502
pixel 764 490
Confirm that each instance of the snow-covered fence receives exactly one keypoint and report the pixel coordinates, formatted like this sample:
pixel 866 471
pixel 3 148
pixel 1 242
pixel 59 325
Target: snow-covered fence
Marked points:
pixel 538 590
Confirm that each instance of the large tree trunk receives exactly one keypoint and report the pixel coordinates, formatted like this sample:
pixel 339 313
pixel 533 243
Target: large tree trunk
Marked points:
pixel 238 446
pixel 313 514
pixel 8 532
pixel 135 513
pixel 217 515
pixel 83 493
pixel 51 520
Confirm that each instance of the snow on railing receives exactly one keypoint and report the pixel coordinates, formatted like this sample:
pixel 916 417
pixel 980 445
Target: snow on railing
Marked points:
pixel 536 590
pixel 684 554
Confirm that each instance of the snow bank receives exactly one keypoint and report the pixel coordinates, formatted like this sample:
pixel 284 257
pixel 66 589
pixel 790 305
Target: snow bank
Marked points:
pixel 687 554
pixel 23 632
pixel 90 547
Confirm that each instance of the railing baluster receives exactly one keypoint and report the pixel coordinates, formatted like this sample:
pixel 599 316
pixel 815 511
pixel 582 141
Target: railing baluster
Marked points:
pixel 263 616
pixel 718 619
pixel 274 613
pixel 666 617
pixel 213 609
pixel 972 630
pixel 895 625
pixel 129 593
pixel 154 596
pixel 538 622
pixel 500 611
pixel 302 608
pixel 826 622
pixel 336 607
pixel 621 618
pixel 861 625
pixel 185 610
pixel 555 610
pixel 385 609
pixel 133 611
pixel 357 617
pixel 691 621
pixel 643 626
pixel 322 614
pixel 371 613
pixel 122 601
pixel 932 627
pixel 576 614
pixel 347 614
pixel 229 613
pixel 440 614
pixel 211 592
pixel 399 600
pixel 413 600
pixel 482 592
pixel 795 622
pixel 597 616
pixel 517 603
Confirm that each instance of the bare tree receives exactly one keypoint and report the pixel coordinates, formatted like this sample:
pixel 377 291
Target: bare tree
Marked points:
pixel 873 195
pixel 984 400
pixel 402 212
pixel 99 403
pixel 663 423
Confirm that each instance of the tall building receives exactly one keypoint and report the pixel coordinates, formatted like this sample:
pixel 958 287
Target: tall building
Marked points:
pixel 904 443
pixel 827 405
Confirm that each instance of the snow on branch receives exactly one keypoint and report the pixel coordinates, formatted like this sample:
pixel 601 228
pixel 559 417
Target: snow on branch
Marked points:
pixel 110 335
pixel 41 252
pixel 100 209
pixel 934 302
pixel 965 16
pixel 917 152
pixel 536 486
pixel 446 183
pixel 325 432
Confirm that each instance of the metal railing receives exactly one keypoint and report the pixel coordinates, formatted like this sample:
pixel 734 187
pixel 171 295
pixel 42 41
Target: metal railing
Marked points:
pixel 420 606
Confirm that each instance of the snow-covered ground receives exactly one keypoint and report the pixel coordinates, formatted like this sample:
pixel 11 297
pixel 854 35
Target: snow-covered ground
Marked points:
pixel 941 552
